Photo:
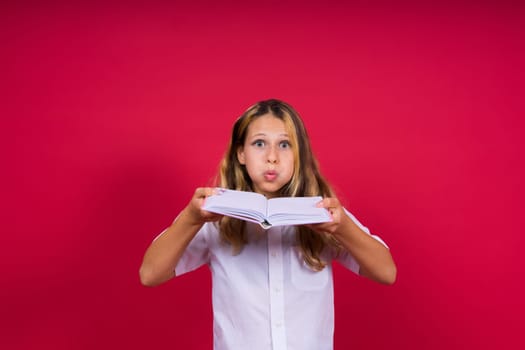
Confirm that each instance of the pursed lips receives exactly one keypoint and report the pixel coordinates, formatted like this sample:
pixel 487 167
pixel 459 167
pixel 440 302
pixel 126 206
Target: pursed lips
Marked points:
pixel 270 175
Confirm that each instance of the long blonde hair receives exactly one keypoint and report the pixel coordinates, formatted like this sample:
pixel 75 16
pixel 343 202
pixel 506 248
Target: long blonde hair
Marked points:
pixel 306 179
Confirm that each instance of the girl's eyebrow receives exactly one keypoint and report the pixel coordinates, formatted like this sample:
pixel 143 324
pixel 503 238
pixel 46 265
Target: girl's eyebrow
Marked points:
pixel 264 134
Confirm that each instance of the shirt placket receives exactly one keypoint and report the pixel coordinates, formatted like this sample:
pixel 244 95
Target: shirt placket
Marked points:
pixel 276 280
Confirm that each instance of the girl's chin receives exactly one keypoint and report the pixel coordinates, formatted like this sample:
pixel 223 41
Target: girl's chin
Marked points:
pixel 268 191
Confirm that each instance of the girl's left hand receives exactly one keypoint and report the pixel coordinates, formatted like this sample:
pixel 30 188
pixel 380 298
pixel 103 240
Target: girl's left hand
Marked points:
pixel 337 214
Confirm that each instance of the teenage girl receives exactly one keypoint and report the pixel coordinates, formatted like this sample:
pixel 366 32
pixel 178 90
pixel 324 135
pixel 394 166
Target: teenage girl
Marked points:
pixel 272 289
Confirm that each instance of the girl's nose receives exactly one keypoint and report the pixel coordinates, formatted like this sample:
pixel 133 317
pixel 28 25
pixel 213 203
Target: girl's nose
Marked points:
pixel 272 156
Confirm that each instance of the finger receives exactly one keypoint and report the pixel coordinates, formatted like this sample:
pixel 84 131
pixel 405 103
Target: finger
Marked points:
pixel 322 203
pixel 199 192
pixel 203 192
pixel 209 191
pixel 210 216
pixel 328 202
pixel 215 191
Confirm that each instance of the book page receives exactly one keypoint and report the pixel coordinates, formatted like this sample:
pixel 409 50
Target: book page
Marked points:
pixel 296 210
pixel 293 205
pixel 238 204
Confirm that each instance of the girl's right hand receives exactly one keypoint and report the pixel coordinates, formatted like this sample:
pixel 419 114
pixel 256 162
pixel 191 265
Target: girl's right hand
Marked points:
pixel 194 208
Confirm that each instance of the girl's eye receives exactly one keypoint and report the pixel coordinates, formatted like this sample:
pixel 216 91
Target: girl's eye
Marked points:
pixel 258 143
pixel 284 144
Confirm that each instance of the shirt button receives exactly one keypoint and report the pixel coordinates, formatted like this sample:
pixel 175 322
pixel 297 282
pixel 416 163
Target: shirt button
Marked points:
pixel 277 290
pixel 278 324
pixel 274 254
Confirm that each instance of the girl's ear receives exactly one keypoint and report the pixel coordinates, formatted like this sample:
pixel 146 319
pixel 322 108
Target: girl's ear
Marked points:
pixel 240 155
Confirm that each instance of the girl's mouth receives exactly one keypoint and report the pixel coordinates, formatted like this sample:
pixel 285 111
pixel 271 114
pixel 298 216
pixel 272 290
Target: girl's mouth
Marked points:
pixel 270 175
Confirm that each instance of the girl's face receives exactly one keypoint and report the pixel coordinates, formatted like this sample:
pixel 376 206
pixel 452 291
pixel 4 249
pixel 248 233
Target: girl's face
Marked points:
pixel 267 155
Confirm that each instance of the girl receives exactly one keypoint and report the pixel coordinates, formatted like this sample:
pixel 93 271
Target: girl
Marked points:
pixel 272 289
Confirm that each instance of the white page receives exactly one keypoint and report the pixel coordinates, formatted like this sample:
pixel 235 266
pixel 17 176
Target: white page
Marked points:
pixel 296 210
pixel 295 205
pixel 238 202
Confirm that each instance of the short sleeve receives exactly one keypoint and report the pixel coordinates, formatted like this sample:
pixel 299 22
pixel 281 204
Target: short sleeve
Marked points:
pixel 345 258
pixel 196 253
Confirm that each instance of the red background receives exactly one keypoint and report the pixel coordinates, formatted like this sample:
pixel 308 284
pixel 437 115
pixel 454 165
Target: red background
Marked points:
pixel 113 114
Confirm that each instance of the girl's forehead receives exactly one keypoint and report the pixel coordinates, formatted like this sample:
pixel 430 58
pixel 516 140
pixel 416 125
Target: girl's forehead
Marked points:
pixel 267 124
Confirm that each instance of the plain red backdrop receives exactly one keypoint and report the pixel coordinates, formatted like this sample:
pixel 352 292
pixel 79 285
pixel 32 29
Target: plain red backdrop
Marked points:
pixel 112 114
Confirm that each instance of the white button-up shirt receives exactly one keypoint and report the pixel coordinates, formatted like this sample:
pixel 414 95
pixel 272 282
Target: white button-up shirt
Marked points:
pixel 266 297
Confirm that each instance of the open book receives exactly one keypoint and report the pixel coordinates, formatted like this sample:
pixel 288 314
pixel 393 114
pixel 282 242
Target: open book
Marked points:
pixel 254 207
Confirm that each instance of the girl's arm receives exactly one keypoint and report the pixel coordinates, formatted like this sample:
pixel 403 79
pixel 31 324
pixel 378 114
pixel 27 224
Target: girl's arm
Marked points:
pixel 165 251
pixel 374 259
